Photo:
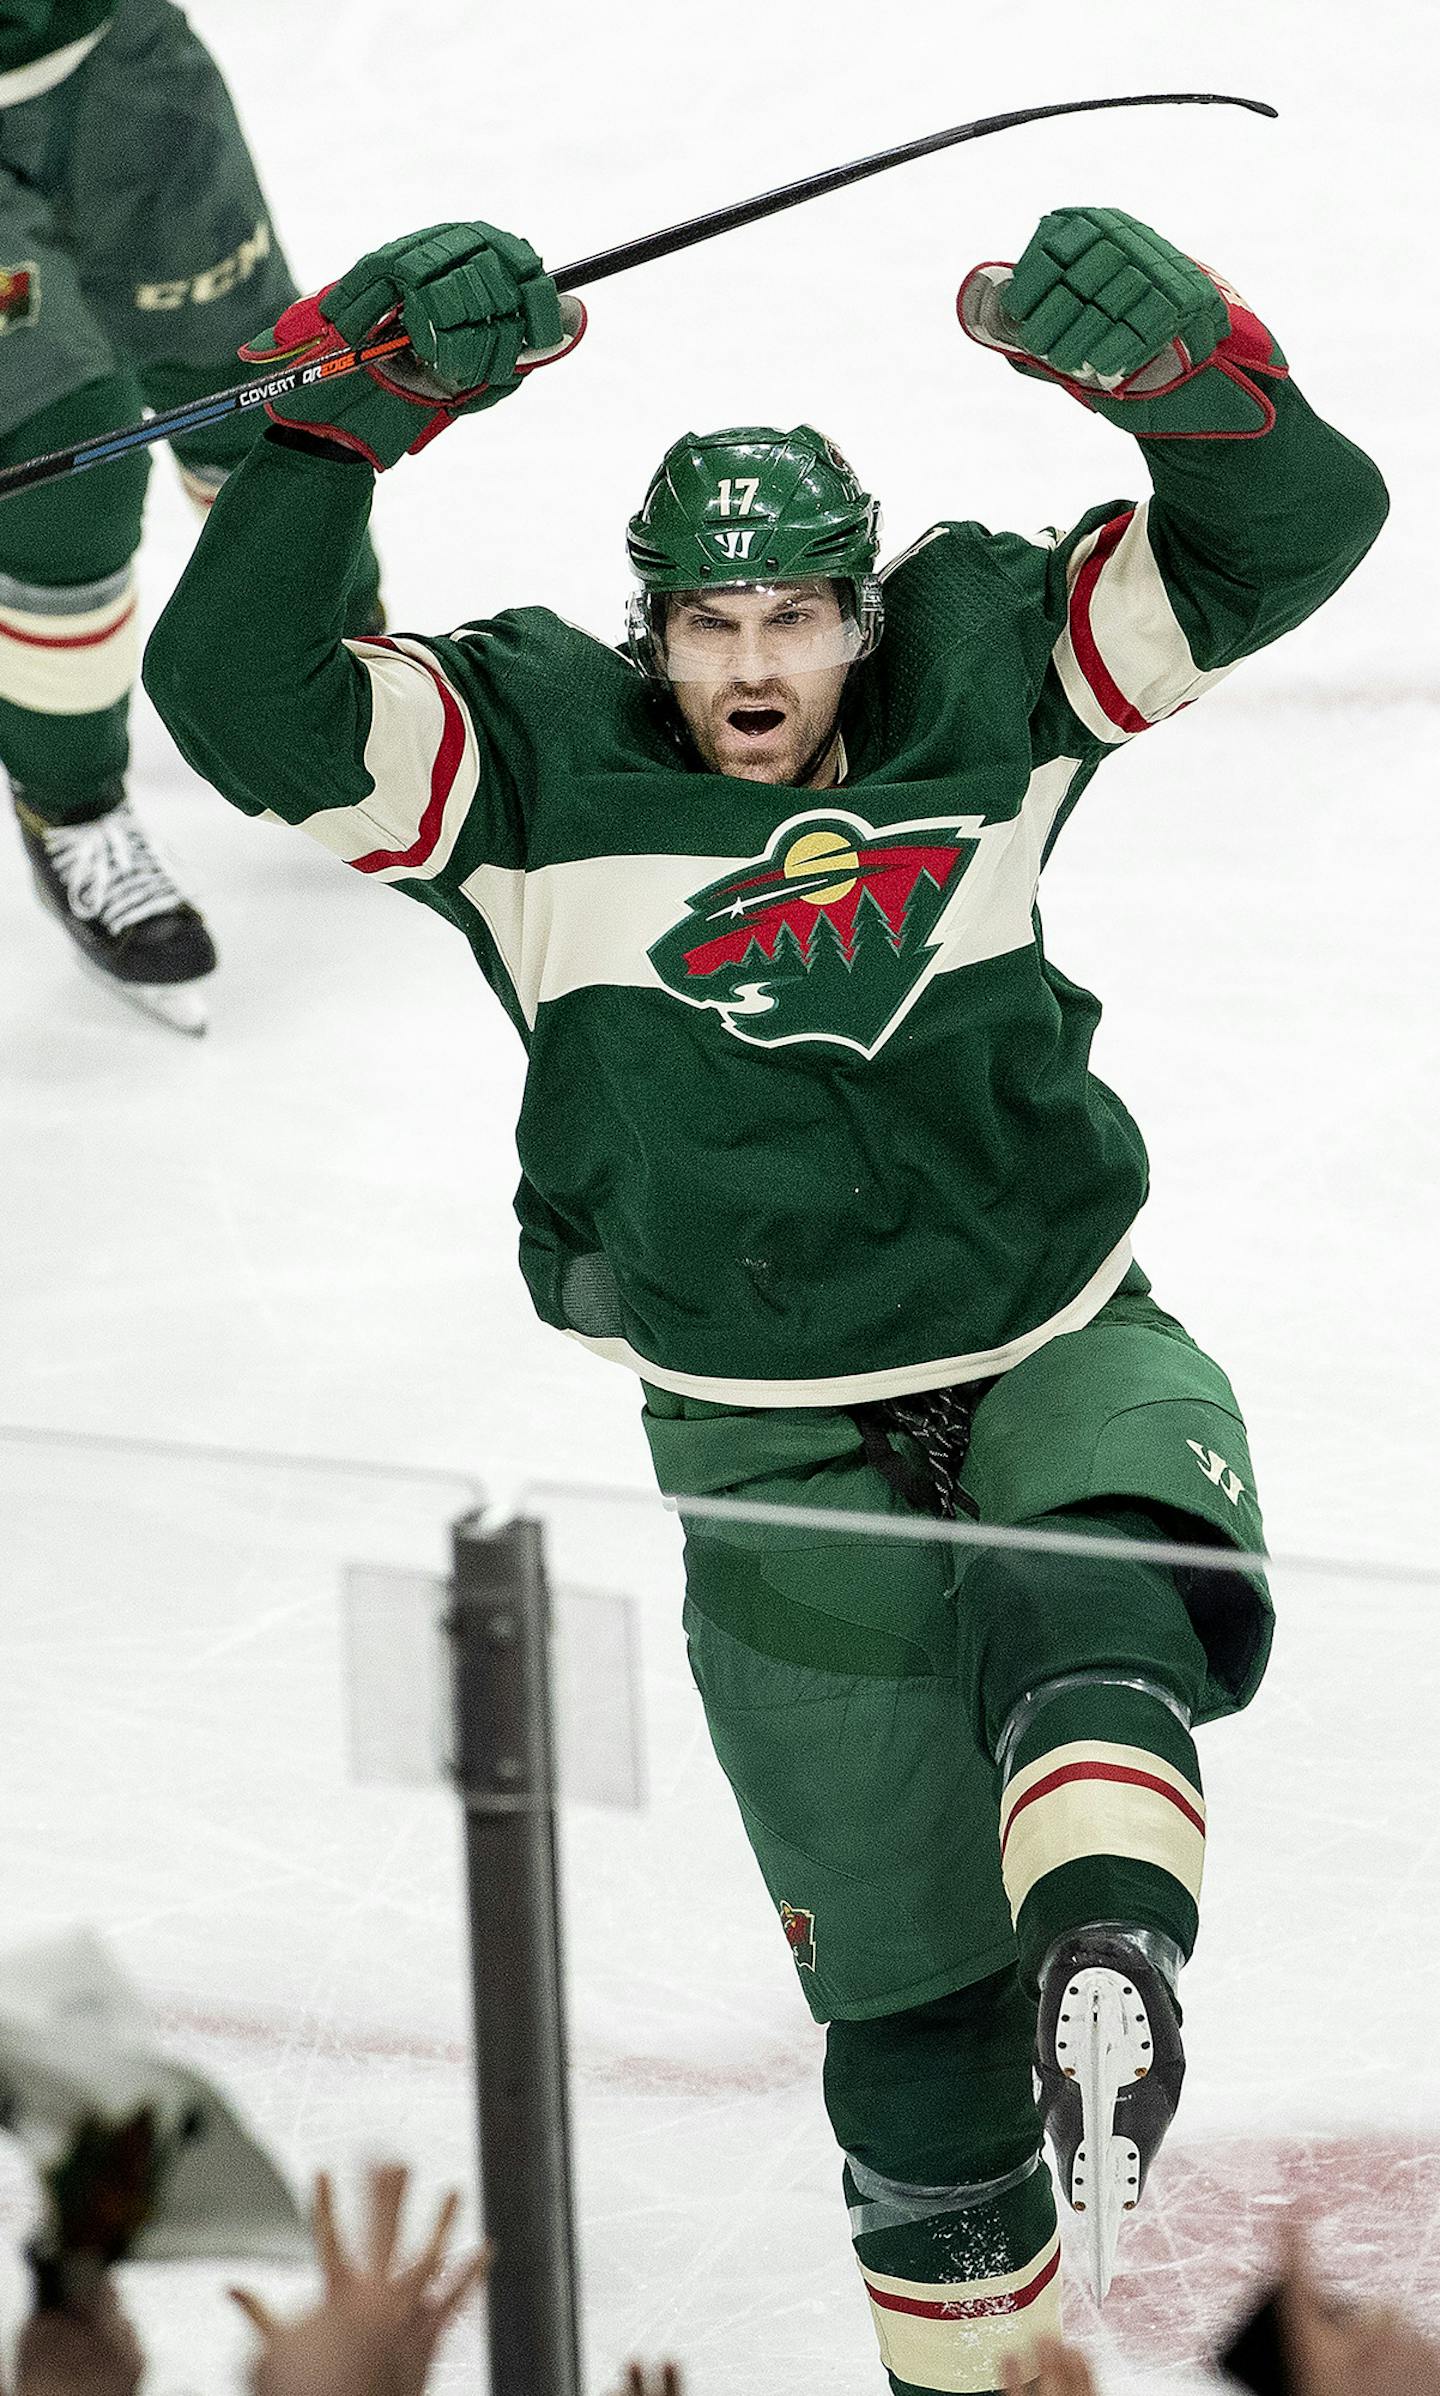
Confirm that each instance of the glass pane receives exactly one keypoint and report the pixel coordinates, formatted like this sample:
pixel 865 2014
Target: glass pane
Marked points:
pixel 181 1775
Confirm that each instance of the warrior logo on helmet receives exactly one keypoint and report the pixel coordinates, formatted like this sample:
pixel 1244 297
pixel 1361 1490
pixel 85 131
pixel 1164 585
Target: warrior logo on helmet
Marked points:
pixel 751 505
pixel 829 936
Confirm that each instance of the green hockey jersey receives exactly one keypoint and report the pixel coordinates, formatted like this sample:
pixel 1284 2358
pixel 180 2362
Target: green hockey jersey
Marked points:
pixel 41 29
pixel 808 1115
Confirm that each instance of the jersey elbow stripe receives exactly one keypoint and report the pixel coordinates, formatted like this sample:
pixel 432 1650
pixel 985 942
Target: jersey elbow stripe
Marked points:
pixel 1123 659
pixel 1094 1798
pixel 957 2334
pixel 1119 720
pixel 422 759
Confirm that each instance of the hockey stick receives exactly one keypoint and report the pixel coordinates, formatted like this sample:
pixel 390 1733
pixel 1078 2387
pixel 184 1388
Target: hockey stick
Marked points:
pixel 191 415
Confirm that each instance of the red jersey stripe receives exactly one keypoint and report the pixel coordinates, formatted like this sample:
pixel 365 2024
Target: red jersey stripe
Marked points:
pixel 1126 1773
pixel 967 2308
pixel 442 777
pixel 70 640
pixel 1087 655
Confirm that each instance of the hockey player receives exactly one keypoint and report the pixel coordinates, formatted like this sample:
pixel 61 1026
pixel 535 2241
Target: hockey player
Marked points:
pixel 810 1142
pixel 135 253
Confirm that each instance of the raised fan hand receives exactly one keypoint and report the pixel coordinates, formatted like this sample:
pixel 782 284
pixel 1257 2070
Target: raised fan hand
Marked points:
pixel 88 2347
pixel 1333 2349
pixel 480 313
pixel 379 2320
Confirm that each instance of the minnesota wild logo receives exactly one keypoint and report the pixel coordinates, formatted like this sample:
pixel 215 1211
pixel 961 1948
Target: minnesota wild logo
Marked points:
pixel 19 294
pixel 828 936
pixel 798 1924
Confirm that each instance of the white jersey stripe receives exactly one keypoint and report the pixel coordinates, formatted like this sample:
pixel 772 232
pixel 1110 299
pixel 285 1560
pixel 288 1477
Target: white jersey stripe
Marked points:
pixel 421 755
pixel 591 923
pixel 1123 659
pixel 901 1381
pixel 586 924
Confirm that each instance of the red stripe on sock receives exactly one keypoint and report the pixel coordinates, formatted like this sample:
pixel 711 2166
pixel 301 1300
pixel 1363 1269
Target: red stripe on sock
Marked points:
pixel 1087 655
pixel 69 640
pixel 966 2308
pixel 442 777
pixel 1112 1772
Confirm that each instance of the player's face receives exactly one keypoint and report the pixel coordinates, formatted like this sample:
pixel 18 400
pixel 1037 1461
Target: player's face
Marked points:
pixel 757 676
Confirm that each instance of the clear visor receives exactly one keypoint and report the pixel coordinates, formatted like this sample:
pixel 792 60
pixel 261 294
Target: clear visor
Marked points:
pixel 761 633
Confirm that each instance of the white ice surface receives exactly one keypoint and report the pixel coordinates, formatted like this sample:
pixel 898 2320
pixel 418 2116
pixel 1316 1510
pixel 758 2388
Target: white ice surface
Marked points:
pixel 295 1235
pixel 177 1769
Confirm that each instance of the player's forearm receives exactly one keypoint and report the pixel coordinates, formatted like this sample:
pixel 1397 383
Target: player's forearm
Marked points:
pixel 1252 536
pixel 247 665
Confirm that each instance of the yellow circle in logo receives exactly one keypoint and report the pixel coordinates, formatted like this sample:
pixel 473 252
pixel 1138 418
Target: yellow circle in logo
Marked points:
pixel 814 849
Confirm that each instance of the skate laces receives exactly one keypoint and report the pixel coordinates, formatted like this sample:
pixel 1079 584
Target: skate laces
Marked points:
pixel 110 872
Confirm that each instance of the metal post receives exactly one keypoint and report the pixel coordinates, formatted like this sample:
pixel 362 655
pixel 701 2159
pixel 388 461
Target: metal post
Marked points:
pixel 504 1766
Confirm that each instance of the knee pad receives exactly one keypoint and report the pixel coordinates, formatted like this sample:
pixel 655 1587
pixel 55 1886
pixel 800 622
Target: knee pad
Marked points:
pixel 69 633
pixel 1032 1703
pixel 939 2096
pixel 880 2204
pixel 1029 1618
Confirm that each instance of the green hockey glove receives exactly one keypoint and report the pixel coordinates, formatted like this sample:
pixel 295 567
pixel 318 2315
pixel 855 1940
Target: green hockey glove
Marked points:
pixel 481 314
pixel 1129 326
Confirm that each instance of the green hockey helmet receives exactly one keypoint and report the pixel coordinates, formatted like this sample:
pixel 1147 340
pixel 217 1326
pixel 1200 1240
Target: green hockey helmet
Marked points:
pixel 748 508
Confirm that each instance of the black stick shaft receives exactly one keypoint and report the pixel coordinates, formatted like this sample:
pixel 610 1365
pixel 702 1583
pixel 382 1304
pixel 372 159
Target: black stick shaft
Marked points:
pixel 169 423
pixel 835 178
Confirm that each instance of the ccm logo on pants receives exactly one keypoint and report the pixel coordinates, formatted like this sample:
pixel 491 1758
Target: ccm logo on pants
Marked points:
pixel 215 282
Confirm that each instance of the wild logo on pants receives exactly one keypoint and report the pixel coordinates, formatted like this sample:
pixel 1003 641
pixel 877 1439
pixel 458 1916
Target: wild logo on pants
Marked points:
pixel 19 295
pixel 799 1928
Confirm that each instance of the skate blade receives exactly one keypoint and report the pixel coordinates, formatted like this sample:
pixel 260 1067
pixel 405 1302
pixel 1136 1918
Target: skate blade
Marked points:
pixel 178 1004
pixel 1103 2041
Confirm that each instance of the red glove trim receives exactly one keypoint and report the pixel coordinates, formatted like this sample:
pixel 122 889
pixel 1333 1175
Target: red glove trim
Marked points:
pixel 1262 400
pixel 298 328
pixel 343 433
pixel 1247 350
pixel 982 266
pixel 302 331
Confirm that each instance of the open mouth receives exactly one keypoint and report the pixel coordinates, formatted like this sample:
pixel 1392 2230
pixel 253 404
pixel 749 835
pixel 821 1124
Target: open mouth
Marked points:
pixel 756 722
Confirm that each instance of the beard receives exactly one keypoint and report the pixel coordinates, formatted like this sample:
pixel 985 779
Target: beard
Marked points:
pixel 764 732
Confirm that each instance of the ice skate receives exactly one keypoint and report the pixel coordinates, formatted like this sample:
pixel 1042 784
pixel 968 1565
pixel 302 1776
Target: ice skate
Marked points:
pixel 1109 2064
pixel 132 927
